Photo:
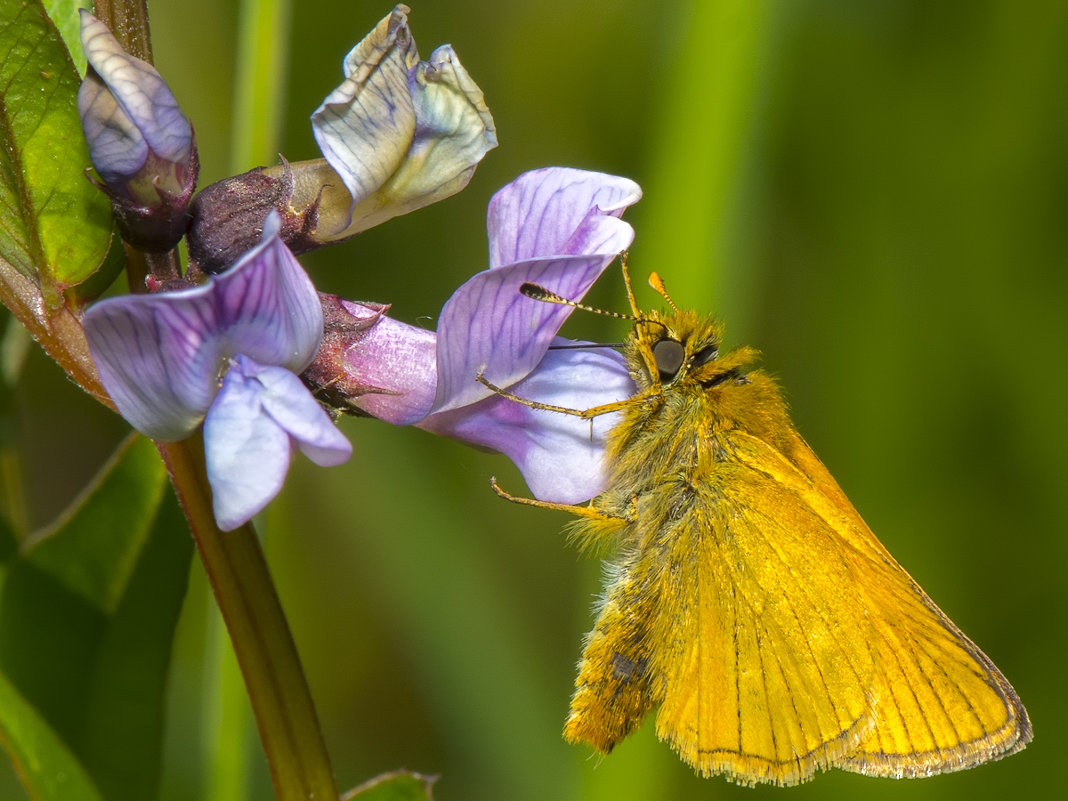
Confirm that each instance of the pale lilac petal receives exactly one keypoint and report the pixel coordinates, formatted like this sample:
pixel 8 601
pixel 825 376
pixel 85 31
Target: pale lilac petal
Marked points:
pixel 489 327
pixel 159 358
pixel 539 213
pixel 268 306
pixel 130 111
pixel 559 455
pixel 395 364
pixel 288 402
pixel 247 452
pixel 260 412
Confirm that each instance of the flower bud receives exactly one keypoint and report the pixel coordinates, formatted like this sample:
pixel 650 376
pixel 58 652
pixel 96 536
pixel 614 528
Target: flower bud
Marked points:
pixel 140 143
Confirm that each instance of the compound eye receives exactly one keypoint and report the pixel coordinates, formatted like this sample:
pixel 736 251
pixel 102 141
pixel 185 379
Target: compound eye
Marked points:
pixel 669 356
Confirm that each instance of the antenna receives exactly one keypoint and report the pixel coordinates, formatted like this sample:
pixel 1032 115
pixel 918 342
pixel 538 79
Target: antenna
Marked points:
pixel 630 289
pixel 657 283
pixel 538 292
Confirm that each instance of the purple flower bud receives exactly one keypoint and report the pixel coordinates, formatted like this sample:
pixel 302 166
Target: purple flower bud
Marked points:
pixel 140 143
pixel 226 353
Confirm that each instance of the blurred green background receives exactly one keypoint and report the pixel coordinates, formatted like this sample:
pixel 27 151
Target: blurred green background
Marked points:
pixel 872 193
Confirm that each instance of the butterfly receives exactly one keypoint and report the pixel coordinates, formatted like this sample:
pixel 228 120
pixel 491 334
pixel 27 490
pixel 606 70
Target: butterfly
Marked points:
pixel 748 601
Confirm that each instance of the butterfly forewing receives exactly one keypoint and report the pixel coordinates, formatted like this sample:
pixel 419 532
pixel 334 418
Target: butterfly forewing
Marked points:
pixel 764 679
pixel 941 704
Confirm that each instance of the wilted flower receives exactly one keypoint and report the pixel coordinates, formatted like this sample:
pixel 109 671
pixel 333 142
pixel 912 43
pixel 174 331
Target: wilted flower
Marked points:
pixel 226 353
pixel 140 143
pixel 398 134
pixel 555 227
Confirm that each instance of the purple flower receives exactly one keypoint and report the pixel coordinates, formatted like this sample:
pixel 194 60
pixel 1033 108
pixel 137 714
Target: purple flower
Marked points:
pixel 558 228
pixel 226 353
pixel 139 141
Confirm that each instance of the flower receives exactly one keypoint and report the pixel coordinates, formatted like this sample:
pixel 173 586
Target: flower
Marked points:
pixel 402 133
pixel 140 143
pixel 398 134
pixel 558 228
pixel 226 353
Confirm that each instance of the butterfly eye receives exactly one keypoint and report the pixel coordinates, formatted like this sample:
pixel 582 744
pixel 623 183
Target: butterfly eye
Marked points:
pixel 669 356
pixel 705 355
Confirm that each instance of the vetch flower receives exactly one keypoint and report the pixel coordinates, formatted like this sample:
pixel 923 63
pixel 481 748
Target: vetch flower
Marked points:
pixel 140 143
pixel 555 227
pixel 398 134
pixel 226 353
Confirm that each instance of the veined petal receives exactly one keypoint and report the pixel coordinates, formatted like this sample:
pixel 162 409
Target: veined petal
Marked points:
pixel 260 412
pixel 268 306
pixel 392 365
pixel 489 327
pixel 453 131
pixel 158 357
pixel 128 110
pixel 364 127
pixel 161 356
pixel 289 403
pixel 247 451
pixel 400 133
pixel 551 211
pixel 559 455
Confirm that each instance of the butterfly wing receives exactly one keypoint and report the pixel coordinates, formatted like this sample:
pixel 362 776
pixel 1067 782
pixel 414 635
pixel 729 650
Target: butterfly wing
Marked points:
pixel 941 705
pixel 937 702
pixel 779 636
pixel 768 665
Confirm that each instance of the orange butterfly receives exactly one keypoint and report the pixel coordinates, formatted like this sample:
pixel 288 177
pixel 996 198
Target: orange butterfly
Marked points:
pixel 749 600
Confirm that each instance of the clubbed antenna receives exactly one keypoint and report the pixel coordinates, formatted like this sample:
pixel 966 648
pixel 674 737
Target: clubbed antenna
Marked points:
pixel 538 292
pixel 657 283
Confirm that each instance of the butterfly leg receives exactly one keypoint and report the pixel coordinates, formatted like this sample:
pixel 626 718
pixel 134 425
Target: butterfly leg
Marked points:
pixel 585 414
pixel 589 512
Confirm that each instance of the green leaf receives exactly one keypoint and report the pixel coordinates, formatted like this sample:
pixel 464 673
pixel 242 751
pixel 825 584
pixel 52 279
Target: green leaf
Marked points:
pixel 55 226
pixel 44 761
pixel 87 616
pixel 401 785
pixel 64 15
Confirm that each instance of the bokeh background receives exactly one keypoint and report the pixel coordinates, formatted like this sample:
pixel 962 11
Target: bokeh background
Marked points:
pixel 872 193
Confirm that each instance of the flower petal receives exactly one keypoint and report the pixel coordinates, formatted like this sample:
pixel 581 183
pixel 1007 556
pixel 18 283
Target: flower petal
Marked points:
pixel 559 455
pixel 392 365
pixel 268 306
pixel 127 110
pixel 400 133
pixel 488 327
pixel 160 356
pixel 546 213
pixel 246 450
pixel 364 127
pixel 453 131
pixel 289 403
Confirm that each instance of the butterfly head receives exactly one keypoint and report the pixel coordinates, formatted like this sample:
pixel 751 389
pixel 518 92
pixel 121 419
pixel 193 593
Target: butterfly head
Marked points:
pixel 681 347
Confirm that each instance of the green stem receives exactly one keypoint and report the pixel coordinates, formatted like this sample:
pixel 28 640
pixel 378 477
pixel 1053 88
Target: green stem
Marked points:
pixel 128 21
pixel 234 561
pixel 285 715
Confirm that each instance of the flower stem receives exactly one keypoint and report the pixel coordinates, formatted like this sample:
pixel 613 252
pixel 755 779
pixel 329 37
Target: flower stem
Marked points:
pixel 285 715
